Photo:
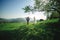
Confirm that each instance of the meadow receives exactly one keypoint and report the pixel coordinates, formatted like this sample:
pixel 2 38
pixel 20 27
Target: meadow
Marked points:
pixel 44 30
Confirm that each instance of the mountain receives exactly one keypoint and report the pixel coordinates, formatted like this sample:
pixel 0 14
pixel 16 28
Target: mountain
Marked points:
pixel 12 20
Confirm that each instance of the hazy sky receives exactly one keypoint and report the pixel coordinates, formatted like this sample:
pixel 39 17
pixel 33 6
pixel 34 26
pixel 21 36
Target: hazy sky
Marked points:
pixel 13 8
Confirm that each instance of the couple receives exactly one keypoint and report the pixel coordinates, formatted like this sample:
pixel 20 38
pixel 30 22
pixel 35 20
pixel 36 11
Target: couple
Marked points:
pixel 28 19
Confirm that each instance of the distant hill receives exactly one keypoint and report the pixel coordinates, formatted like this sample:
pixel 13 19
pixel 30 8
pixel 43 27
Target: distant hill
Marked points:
pixel 12 20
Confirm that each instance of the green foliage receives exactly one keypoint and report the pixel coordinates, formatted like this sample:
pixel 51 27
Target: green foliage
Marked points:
pixel 20 31
pixel 27 9
pixel 48 6
pixel 53 5
pixel 38 5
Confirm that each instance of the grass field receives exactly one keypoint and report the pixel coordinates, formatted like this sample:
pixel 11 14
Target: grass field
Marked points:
pixel 43 30
pixel 10 26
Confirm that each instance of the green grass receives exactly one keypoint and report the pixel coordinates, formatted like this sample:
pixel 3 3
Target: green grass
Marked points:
pixel 10 26
pixel 20 31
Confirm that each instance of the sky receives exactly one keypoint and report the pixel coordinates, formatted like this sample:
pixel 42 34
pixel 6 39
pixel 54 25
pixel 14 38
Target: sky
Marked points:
pixel 13 9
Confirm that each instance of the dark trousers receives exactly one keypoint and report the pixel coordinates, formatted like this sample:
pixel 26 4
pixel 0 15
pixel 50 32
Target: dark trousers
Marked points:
pixel 27 22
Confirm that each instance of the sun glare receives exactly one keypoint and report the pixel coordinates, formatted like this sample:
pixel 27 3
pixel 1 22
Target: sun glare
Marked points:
pixel 38 15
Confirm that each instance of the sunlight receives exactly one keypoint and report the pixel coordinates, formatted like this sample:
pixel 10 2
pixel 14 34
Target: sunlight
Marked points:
pixel 38 15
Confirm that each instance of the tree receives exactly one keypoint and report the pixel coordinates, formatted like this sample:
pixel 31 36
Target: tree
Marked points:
pixel 53 5
pixel 48 6
pixel 29 9
pixel 40 6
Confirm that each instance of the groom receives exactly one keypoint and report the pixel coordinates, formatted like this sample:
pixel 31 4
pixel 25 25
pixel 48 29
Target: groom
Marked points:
pixel 27 19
